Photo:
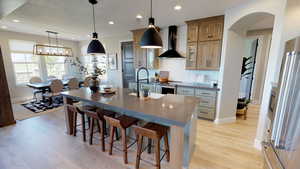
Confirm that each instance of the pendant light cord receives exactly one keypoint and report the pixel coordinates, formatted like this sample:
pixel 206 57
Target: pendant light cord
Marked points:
pixel 94 20
pixel 151 8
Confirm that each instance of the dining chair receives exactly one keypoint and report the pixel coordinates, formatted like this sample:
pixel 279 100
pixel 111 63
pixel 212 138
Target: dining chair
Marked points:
pixel 55 88
pixel 86 81
pixel 34 80
pixel 73 84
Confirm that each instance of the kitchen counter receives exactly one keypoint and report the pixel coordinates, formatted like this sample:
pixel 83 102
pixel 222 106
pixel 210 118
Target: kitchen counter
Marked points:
pixel 184 84
pixel 176 111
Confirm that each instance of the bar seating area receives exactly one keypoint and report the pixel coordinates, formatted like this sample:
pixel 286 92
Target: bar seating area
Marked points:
pixel 116 122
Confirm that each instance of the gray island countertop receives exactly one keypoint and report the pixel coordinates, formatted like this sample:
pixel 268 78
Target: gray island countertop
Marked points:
pixel 169 109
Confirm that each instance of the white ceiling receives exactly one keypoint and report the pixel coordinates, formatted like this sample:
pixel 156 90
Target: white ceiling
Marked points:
pixel 72 18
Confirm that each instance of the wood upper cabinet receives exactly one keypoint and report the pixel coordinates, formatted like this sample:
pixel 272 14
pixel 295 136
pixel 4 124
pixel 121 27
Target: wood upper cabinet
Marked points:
pixel 192 32
pixel 211 30
pixel 208 57
pixel 191 57
pixel 204 43
pixel 143 57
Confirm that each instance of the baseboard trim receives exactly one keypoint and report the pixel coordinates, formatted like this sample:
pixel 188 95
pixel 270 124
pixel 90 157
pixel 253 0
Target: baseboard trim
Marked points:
pixel 257 144
pixel 225 120
pixel 20 99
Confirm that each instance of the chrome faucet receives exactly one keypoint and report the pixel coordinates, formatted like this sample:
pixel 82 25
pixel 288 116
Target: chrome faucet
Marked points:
pixel 138 80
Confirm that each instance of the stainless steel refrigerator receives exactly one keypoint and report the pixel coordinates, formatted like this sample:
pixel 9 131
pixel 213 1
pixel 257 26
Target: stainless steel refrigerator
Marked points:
pixel 282 149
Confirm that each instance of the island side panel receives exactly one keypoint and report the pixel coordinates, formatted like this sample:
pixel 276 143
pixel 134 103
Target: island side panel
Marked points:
pixel 183 144
pixel 69 116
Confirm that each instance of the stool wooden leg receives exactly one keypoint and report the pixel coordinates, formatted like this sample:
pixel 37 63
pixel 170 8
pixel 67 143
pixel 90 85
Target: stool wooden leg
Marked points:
pixel 139 151
pixel 124 141
pixel 157 153
pixel 112 131
pixel 83 127
pixel 166 141
pixel 75 124
pixel 102 128
pixel 91 131
pixel 149 145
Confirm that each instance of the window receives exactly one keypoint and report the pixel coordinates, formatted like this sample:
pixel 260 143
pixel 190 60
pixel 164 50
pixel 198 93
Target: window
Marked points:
pixel 25 64
pixel 55 66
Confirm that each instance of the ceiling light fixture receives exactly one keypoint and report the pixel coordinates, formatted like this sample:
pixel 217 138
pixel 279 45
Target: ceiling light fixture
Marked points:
pixel 95 46
pixel 139 16
pixel 151 37
pixel 16 20
pixel 177 7
pixel 111 22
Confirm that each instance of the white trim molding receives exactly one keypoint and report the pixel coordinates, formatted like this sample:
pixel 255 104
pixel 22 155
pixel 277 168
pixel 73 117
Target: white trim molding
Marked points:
pixel 257 144
pixel 225 120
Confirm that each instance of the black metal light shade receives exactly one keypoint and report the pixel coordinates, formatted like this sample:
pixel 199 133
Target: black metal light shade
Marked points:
pixel 151 39
pixel 95 46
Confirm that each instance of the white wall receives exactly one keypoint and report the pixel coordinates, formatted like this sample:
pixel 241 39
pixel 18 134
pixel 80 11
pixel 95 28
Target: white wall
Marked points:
pixel 227 99
pixel 18 92
pixel 112 45
pixel 176 66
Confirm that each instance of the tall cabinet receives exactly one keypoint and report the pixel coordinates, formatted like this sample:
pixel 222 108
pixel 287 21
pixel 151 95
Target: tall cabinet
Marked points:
pixel 204 43
pixel 6 113
pixel 144 57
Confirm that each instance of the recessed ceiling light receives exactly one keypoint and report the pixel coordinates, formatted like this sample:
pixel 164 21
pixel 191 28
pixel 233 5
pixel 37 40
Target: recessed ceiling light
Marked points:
pixel 177 7
pixel 111 22
pixel 4 27
pixel 16 20
pixel 139 16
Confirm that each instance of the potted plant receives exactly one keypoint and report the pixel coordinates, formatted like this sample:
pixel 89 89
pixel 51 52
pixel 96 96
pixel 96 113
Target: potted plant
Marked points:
pixel 146 91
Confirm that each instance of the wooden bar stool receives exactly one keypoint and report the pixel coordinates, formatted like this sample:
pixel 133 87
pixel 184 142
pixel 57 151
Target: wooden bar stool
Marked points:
pixel 122 122
pixel 154 132
pixel 98 118
pixel 75 110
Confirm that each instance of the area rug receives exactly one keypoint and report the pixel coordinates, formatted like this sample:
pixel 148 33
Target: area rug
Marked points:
pixel 38 107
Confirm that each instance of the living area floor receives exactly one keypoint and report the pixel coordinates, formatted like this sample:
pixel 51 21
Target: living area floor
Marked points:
pixel 41 142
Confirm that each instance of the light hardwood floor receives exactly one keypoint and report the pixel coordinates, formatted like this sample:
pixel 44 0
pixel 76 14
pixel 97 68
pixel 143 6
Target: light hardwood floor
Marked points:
pixel 41 143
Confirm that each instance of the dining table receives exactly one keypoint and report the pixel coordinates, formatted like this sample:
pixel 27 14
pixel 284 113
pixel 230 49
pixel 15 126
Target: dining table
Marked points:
pixel 177 112
pixel 45 86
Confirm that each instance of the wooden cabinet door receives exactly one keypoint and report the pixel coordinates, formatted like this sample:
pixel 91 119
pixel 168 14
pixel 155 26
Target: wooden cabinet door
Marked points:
pixel 191 56
pixel 213 62
pixel 209 54
pixel 203 53
pixel 211 30
pixel 139 56
pixel 192 32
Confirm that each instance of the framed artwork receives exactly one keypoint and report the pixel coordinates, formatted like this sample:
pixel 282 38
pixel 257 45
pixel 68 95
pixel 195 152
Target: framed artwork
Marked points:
pixel 112 60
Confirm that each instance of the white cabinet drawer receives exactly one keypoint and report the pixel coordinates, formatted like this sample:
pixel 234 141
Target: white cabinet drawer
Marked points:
pixel 206 113
pixel 132 85
pixel 186 91
pixel 202 92
pixel 207 102
pixel 151 87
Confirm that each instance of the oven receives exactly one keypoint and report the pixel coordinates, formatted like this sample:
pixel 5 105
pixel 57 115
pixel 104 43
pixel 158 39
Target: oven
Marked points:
pixel 168 89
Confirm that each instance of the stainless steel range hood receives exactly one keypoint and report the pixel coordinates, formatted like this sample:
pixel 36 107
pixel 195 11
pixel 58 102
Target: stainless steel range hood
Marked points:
pixel 172 39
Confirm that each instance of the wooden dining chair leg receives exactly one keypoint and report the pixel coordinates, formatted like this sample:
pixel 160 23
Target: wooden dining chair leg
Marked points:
pixel 91 131
pixel 83 127
pixel 124 142
pixel 112 131
pixel 149 145
pixel 75 124
pixel 102 129
pixel 139 151
pixel 157 153
pixel 166 141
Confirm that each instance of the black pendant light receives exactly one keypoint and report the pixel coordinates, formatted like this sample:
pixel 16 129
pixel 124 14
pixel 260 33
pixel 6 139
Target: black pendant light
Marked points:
pixel 95 46
pixel 151 37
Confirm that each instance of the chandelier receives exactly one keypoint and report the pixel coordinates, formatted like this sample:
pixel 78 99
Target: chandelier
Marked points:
pixel 52 50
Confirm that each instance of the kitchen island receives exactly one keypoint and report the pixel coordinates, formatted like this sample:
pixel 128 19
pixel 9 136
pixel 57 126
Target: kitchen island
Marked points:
pixel 177 112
